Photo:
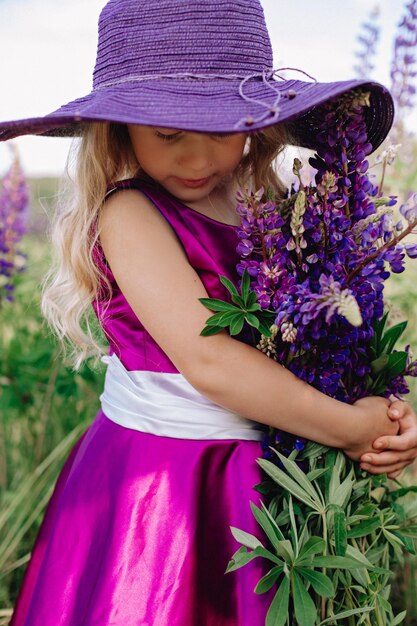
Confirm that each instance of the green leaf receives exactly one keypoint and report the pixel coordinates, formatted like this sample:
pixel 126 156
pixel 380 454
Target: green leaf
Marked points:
pixel 239 301
pixel 229 285
pixel 336 562
pixel 268 526
pixel 398 618
pixel 242 556
pixel 397 363
pixel 223 319
pixel 321 583
pixel 282 479
pixel 340 531
pixel 245 286
pixel 268 580
pixel 379 364
pixel 278 611
pixel 237 324
pixel 210 330
pixel 217 305
pixel 407 542
pixel 391 337
pixel 251 301
pixel 300 477
pixel 264 328
pixel 304 607
pixel 239 559
pixel 313 545
pixel 316 473
pixel 252 320
pixel 250 541
pixel 343 614
pixel 364 528
pixel 379 327
pixel 353 553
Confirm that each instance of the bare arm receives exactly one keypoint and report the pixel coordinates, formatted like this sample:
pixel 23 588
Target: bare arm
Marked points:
pixel 162 288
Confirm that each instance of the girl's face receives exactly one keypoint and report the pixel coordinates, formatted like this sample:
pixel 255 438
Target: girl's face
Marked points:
pixel 187 164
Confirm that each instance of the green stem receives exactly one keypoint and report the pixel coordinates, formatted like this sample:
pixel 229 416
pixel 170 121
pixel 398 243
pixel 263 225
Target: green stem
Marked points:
pixel 323 599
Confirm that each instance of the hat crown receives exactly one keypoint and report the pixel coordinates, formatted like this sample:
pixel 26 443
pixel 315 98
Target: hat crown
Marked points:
pixel 142 37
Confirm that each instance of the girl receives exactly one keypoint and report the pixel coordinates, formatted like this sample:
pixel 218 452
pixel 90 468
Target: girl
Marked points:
pixel 184 108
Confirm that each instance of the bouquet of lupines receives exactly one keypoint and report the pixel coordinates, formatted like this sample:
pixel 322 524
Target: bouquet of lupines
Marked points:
pixel 313 268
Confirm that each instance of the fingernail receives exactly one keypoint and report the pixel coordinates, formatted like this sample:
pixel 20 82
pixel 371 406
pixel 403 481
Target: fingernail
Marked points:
pixel 395 413
pixel 378 445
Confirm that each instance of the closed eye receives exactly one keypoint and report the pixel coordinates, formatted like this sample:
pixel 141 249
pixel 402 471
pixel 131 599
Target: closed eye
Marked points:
pixel 169 137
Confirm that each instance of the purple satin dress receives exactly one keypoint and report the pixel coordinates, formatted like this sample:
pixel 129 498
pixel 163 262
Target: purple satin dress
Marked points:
pixel 137 529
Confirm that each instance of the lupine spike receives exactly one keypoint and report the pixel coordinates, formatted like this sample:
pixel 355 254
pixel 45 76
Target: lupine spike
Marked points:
pixel 14 202
pixel 367 40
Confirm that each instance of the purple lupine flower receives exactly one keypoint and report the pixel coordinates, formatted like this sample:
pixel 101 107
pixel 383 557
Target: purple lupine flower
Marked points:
pixel 319 260
pixel 367 40
pixel 14 201
pixel 404 64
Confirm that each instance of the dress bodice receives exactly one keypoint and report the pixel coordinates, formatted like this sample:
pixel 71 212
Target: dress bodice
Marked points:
pixel 210 247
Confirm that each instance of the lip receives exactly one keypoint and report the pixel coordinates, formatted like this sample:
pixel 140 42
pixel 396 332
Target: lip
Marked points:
pixel 194 183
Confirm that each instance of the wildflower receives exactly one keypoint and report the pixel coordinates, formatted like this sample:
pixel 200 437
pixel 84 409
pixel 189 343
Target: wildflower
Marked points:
pixel 14 197
pixel 367 40
pixel 389 155
pixel 404 66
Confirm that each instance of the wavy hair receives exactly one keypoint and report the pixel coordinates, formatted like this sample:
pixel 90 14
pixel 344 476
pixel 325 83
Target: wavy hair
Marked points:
pixel 105 155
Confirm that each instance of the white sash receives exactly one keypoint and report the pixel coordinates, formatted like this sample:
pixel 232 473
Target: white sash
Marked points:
pixel 167 405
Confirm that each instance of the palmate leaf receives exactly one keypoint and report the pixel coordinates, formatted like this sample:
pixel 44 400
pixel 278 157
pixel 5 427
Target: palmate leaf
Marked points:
pixel 282 479
pixel 300 477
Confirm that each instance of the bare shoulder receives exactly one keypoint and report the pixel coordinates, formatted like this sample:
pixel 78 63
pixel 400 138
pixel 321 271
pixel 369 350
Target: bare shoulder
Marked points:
pixel 128 206
pixel 154 274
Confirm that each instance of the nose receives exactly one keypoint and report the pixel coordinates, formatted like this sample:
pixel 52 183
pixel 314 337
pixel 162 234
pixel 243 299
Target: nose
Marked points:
pixel 196 154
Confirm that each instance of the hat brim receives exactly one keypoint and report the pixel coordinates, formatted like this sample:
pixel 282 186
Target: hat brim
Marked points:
pixel 210 106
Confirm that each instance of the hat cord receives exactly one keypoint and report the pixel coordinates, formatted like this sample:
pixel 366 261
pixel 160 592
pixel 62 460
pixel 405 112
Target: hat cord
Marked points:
pixel 266 75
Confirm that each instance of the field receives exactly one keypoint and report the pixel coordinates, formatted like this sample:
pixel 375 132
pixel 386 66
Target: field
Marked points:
pixel 46 407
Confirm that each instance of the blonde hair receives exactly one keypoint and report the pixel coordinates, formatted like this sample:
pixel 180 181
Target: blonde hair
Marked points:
pixel 74 281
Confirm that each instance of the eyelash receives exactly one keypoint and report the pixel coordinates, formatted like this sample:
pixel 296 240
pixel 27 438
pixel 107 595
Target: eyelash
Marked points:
pixel 177 135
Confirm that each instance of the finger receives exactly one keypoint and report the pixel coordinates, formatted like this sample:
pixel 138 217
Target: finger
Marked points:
pixel 389 457
pixel 397 409
pixel 394 474
pixel 383 469
pixel 406 441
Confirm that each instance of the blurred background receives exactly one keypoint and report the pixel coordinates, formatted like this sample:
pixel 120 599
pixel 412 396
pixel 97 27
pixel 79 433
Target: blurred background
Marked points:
pixel 47 54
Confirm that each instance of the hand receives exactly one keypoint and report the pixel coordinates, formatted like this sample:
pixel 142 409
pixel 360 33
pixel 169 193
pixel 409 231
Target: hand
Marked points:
pixel 371 421
pixel 393 453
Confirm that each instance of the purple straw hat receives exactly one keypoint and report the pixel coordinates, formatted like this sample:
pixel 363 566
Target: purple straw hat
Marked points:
pixel 197 65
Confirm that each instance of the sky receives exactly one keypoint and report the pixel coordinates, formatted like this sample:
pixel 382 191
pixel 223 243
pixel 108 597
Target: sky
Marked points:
pixel 48 47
